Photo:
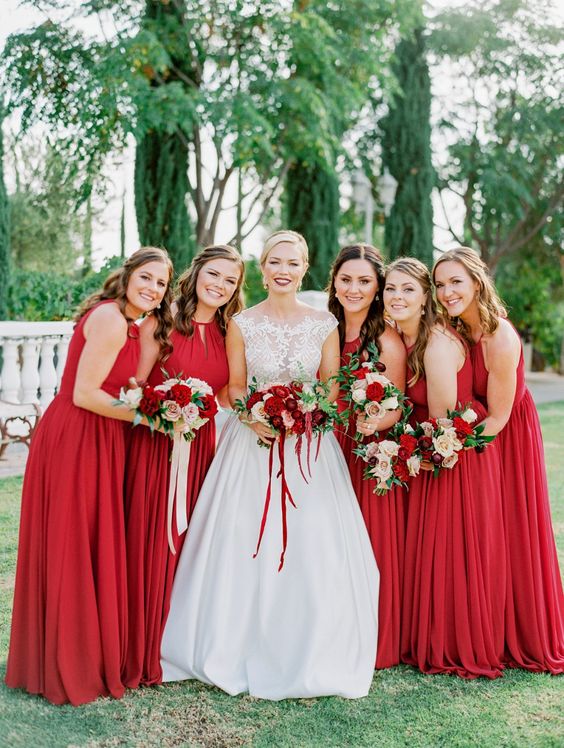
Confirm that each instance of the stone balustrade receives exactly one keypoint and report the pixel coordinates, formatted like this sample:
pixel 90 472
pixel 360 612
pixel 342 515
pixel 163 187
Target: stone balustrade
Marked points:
pixel 33 356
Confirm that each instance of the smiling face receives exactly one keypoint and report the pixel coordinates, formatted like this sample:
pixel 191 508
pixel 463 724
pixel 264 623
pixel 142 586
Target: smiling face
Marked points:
pixel 283 268
pixel 146 288
pixel 356 285
pixel 217 282
pixel 456 290
pixel 404 297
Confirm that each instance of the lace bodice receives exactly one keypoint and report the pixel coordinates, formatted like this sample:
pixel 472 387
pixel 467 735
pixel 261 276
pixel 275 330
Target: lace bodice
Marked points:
pixel 278 351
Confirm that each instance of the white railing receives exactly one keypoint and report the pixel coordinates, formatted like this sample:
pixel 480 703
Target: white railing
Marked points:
pixel 33 359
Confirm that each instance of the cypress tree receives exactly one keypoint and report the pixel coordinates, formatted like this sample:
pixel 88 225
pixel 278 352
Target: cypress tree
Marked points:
pixel 312 208
pixel 161 159
pixel 406 151
pixel 4 231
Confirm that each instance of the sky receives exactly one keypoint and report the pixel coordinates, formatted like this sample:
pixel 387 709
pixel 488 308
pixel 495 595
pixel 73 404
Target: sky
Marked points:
pixel 106 235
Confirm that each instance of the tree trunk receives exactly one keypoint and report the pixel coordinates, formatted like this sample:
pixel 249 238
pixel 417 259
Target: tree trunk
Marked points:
pixel 4 231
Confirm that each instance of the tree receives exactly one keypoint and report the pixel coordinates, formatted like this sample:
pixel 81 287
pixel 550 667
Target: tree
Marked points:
pixel 504 125
pixel 4 230
pixel 219 77
pixel 312 197
pixel 406 152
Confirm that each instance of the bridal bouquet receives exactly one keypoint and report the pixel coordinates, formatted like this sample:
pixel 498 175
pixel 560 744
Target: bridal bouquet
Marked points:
pixel 366 390
pixel 180 407
pixel 300 409
pixel 440 440
pixel 391 461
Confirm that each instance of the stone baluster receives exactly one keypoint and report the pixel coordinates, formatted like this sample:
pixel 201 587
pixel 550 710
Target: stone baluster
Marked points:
pixel 62 350
pixel 30 370
pixel 10 370
pixel 47 371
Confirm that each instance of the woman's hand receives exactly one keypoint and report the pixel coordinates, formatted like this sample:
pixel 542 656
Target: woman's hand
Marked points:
pixel 367 426
pixel 263 432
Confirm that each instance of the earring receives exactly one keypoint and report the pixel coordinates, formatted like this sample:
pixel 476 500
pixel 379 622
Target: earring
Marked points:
pixel 376 298
pixel 422 311
pixel 158 305
pixel 264 284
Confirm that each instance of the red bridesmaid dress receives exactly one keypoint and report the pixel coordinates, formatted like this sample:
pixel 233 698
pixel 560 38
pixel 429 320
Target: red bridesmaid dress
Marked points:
pixel 454 582
pixel 150 564
pixel 69 624
pixel 534 623
pixel 385 518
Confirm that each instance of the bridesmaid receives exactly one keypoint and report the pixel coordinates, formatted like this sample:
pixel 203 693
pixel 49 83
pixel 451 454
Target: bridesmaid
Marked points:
pixel 208 294
pixel 453 596
pixel 69 624
pixel 355 288
pixel 534 625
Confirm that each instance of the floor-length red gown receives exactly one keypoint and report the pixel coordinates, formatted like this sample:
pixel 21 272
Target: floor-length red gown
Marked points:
pixel 534 623
pixel 385 518
pixel 150 563
pixel 69 624
pixel 454 582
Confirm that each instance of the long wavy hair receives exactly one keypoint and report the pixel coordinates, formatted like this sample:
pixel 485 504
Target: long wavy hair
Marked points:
pixel 429 316
pixel 490 306
pixel 115 288
pixel 374 325
pixel 186 298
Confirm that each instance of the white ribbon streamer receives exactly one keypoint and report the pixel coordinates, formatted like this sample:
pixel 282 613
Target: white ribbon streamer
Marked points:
pixel 177 487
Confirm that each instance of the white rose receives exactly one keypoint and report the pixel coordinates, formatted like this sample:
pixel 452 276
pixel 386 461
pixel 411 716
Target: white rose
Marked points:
pixel 258 413
pixel 166 385
pixel 382 470
pixel 287 419
pixel 374 409
pixel 372 450
pixel 359 395
pixel 450 462
pixel 199 385
pixel 446 423
pixel 190 412
pixel 375 376
pixel 388 447
pixel 413 465
pixel 359 384
pixel 390 403
pixel 469 415
pixel 427 428
pixel 444 444
pixel 172 410
pixel 131 397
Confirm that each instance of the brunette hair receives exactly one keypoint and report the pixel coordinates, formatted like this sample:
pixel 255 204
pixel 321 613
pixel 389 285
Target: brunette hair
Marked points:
pixel 286 235
pixel 186 298
pixel 115 288
pixel 429 317
pixel 374 324
pixel 490 306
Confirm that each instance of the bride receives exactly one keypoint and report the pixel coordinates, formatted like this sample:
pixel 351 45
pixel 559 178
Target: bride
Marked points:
pixel 235 621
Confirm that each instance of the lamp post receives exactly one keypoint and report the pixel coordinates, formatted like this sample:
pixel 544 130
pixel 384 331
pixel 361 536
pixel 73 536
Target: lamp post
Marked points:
pixel 364 203
pixel 387 187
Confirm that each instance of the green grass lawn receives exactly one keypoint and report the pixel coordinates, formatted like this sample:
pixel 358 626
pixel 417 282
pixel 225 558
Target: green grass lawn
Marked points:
pixel 404 708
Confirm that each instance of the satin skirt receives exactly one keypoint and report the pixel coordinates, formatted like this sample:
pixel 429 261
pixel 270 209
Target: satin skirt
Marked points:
pixel 238 623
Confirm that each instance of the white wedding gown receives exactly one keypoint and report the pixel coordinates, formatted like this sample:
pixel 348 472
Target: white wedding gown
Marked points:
pixel 236 622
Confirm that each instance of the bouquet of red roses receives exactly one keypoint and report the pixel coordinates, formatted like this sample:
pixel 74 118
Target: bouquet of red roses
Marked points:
pixel 300 409
pixel 365 388
pixel 391 461
pixel 180 407
pixel 441 440
pixel 177 405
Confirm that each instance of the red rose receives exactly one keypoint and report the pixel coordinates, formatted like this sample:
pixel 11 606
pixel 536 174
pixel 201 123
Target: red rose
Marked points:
pixel 462 427
pixel 360 373
pixel 274 406
pixel 318 417
pixel 277 422
pixel 255 398
pixel 408 442
pixel 296 387
pixel 180 393
pixel 400 470
pixel 298 427
pixel 404 454
pixel 425 442
pixel 209 407
pixel 280 391
pixel 375 392
pixel 291 404
pixel 150 402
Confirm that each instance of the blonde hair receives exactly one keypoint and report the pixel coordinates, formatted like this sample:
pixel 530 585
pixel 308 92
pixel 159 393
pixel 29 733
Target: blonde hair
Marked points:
pixel 186 297
pixel 490 306
pixel 429 318
pixel 286 235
